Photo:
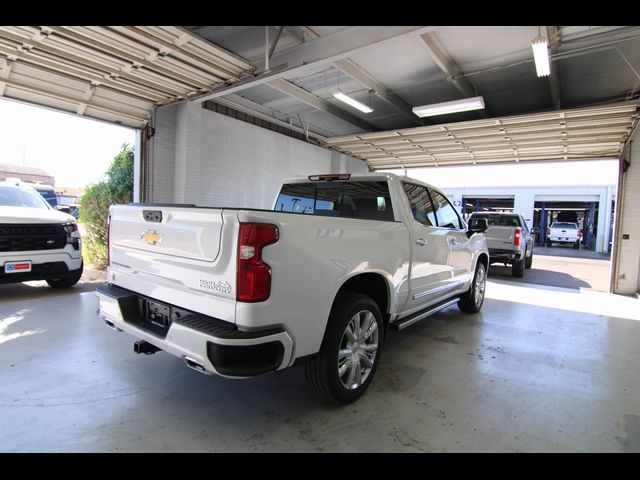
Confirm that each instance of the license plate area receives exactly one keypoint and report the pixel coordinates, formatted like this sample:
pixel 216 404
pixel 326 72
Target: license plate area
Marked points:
pixel 17 267
pixel 153 316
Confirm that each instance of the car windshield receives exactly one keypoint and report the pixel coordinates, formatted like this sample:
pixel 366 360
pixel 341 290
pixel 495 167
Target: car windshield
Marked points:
pixel 21 197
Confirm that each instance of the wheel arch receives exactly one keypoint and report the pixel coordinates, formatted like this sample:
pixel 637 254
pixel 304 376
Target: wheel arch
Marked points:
pixel 373 285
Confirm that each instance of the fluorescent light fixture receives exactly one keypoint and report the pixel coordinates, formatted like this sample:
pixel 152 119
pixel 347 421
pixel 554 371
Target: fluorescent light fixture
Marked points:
pixel 463 105
pixel 541 56
pixel 354 103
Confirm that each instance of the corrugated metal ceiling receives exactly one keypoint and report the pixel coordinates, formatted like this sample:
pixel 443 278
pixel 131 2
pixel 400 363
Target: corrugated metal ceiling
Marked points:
pixel 595 132
pixel 115 73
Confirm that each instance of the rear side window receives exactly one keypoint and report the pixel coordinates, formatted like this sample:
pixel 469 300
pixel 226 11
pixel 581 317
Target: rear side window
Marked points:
pixel 362 200
pixel 564 225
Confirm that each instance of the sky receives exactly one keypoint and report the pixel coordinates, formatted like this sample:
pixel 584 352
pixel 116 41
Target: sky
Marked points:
pixel 76 151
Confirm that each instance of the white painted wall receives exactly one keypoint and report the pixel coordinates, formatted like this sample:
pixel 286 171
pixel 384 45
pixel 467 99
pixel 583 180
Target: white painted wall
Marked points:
pixel 202 157
pixel 627 274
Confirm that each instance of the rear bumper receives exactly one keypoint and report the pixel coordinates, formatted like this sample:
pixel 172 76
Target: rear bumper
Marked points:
pixel 218 346
pixel 563 239
pixel 499 255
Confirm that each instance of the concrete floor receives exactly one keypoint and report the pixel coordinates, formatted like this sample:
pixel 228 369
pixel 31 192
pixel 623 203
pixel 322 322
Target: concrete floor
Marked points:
pixel 559 271
pixel 539 369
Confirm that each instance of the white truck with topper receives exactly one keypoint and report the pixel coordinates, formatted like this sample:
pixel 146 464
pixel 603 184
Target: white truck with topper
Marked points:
pixel 319 279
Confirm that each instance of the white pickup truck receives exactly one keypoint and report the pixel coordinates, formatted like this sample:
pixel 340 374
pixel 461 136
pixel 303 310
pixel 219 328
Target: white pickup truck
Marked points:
pixel 565 233
pixel 319 279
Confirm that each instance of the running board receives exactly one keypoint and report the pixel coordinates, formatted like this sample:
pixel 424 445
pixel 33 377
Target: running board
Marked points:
pixel 416 317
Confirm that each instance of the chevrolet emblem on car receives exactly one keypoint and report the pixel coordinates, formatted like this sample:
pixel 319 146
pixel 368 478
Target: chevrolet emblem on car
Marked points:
pixel 151 237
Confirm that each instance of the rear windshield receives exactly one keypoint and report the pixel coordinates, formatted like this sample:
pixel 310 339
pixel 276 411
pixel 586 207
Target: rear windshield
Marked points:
pixel 363 200
pixel 564 225
pixel 500 220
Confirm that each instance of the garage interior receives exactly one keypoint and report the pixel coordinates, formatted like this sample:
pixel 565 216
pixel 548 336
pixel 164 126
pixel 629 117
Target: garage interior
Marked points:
pixel 223 114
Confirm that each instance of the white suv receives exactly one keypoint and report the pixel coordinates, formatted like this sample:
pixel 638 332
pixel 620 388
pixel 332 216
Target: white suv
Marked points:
pixel 37 242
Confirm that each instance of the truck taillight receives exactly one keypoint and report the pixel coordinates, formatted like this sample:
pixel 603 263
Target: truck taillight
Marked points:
pixel 516 237
pixel 579 233
pixel 108 240
pixel 254 275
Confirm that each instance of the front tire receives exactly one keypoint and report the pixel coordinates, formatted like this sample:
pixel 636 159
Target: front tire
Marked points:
pixel 472 301
pixel 67 280
pixel 351 349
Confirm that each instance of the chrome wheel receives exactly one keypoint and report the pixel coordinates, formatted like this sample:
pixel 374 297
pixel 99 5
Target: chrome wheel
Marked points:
pixel 480 283
pixel 358 348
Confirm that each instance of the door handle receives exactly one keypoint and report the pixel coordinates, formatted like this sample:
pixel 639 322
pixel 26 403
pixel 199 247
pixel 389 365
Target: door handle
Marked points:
pixel 421 242
pixel 453 241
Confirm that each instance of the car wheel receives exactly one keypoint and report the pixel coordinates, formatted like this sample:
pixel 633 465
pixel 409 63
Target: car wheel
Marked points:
pixel 351 349
pixel 517 268
pixel 576 246
pixel 472 301
pixel 67 280
pixel 548 243
pixel 528 261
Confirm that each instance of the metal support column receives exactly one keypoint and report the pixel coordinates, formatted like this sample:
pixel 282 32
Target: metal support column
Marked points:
pixel 591 225
pixel 543 224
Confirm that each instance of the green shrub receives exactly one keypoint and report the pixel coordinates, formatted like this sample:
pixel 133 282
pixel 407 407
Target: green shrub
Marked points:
pixel 117 187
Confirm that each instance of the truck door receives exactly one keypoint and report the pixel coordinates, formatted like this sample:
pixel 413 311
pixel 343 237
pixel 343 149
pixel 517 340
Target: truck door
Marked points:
pixel 459 250
pixel 431 277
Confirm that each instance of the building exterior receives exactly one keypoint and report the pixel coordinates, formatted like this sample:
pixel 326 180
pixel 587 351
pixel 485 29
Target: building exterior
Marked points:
pixel 26 174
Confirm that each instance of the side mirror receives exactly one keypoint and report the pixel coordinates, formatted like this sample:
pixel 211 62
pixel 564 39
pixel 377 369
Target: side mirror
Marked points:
pixel 477 225
pixel 63 208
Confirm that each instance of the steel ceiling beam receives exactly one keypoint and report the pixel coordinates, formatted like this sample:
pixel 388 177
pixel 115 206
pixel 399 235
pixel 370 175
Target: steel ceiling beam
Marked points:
pixel 448 65
pixel 252 108
pixel 381 91
pixel 292 90
pixel 314 55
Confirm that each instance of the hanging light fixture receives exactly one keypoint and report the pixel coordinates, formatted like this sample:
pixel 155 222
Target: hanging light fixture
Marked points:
pixel 466 104
pixel 353 102
pixel 541 55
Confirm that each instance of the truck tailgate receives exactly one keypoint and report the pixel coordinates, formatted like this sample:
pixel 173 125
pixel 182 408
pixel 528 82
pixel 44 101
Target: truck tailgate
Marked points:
pixel 499 237
pixel 184 232
pixel 184 256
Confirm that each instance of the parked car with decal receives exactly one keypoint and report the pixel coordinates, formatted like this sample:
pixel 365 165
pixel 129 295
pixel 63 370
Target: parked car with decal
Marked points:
pixel 37 242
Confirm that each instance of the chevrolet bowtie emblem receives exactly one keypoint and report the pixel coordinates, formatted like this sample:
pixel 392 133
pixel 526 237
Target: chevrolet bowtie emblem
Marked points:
pixel 151 237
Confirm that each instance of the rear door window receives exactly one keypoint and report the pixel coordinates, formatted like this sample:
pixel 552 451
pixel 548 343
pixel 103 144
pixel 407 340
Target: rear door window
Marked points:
pixel 361 200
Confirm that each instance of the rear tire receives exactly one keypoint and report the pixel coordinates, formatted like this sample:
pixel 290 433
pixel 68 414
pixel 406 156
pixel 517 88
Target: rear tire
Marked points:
pixel 472 301
pixel 548 243
pixel 351 349
pixel 67 280
pixel 517 268
pixel 528 261
pixel 576 246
